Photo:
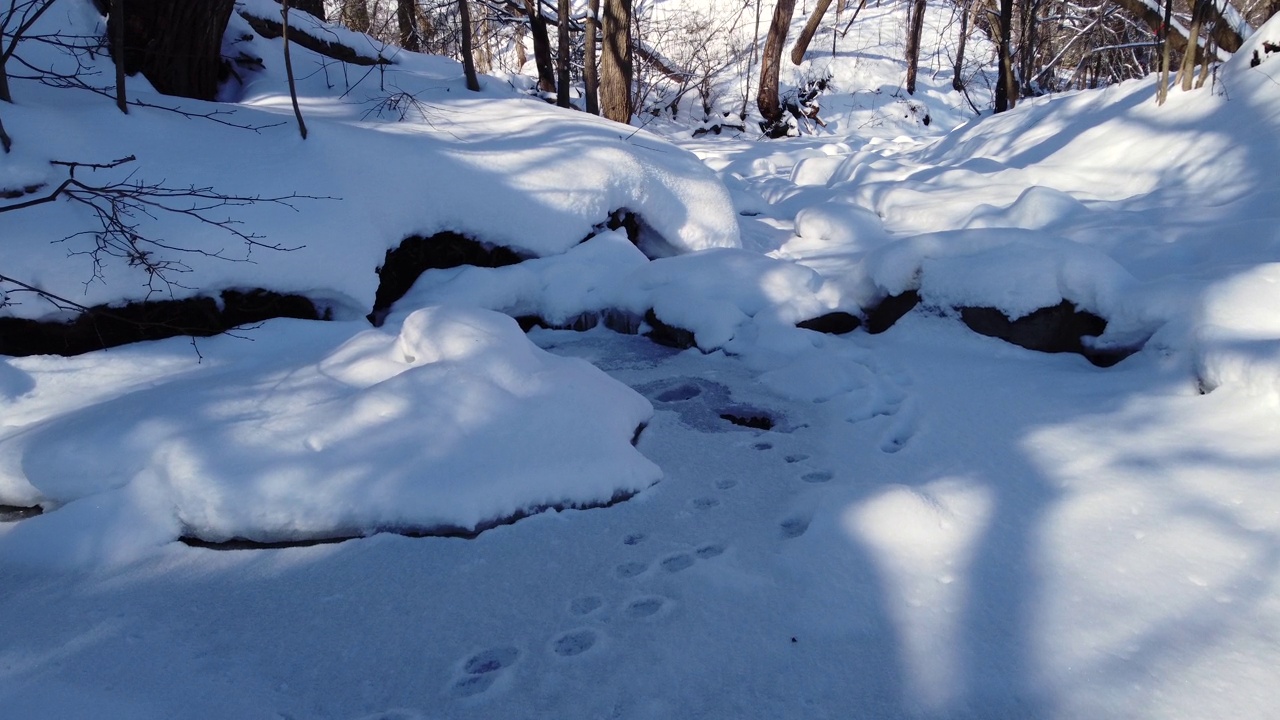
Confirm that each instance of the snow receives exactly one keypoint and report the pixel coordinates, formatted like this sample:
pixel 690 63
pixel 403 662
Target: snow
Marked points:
pixel 938 524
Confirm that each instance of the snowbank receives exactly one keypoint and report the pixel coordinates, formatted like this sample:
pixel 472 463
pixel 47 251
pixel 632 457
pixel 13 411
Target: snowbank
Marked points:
pixel 456 422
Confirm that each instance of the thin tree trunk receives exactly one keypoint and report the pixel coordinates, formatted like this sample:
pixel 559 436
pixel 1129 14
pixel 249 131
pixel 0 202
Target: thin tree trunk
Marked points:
pixel 288 68
pixel 751 63
pixel 810 29
pixel 1207 60
pixel 117 37
pixel 590 76
pixel 4 85
pixel 861 4
pixel 562 54
pixel 957 74
pixel 1162 89
pixel 468 58
pixel 406 18
pixel 1187 70
pixel 1005 84
pixel 541 46
pixel 767 99
pixel 915 27
pixel 6 142
pixel 616 66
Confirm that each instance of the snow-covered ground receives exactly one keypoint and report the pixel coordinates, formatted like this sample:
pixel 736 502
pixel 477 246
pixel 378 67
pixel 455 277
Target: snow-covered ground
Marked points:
pixel 936 525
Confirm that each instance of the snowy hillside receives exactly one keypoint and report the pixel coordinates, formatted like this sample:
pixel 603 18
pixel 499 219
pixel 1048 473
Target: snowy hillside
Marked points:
pixel 698 427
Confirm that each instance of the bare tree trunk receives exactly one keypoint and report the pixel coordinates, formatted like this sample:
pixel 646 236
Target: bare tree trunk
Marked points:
pixel 288 67
pixel 957 73
pixel 468 57
pixel 767 101
pixel 313 7
pixel 616 62
pixel 1187 70
pixel 117 38
pixel 6 142
pixel 751 63
pixel 589 75
pixel 355 15
pixel 541 46
pixel 1162 89
pixel 1006 86
pixel 177 45
pixel 407 20
pixel 810 29
pixel 562 54
pixel 915 27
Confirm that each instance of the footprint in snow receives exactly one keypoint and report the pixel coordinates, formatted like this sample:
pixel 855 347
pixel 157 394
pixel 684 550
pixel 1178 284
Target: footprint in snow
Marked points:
pixel 644 607
pixel 794 527
pixel 634 538
pixel 901 430
pixel 676 563
pixel 574 642
pixel 792 459
pixel 481 670
pixel 726 484
pixel 585 605
pixel 630 569
pixel 704 503
pixel 706 552
pixel 817 477
pixel 763 446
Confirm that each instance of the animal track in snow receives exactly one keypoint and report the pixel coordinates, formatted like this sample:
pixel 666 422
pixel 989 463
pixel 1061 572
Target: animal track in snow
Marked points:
pixel 794 527
pixel 706 552
pixel 644 607
pixel 705 503
pixel 817 476
pixel 902 429
pixel 676 563
pixel 791 459
pixel 585 605
pixel 726 484
pixel 574 642
pixel 491 660
pixel 763 446
pixel 630 569
pixel 481 670
pixel 634 538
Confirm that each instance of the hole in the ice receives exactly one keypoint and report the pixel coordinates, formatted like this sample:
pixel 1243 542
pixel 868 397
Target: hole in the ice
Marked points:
pixel 748 419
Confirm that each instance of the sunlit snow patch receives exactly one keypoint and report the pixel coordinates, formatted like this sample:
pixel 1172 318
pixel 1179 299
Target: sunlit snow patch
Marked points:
pixel 455 424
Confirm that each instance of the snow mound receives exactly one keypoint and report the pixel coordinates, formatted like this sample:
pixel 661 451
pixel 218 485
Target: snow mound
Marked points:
pixel 387 432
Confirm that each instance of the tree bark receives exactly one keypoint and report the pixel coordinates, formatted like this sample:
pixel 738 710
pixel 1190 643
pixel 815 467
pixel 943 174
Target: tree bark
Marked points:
pixel 1006 86
pixel 590 77
pixel 957 73
pixel 355 15
pixel 541 46
pixel 312 7
pixel 468 57
pixel 616 64
pixel 1162 88
pixel 1191 56
pixel 176 45
pixel 915 27
pixel 810 29
pixel 6 142
pixel 767 98
pixel 407 20
pixel 288 68
pixel 562 54
pixel 117 23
